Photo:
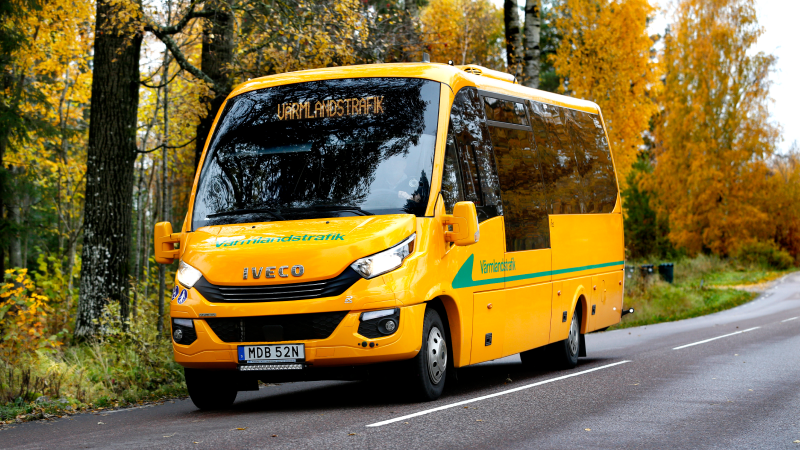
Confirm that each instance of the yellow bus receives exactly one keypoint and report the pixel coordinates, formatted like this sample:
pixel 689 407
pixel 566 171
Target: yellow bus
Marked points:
pixel 421 216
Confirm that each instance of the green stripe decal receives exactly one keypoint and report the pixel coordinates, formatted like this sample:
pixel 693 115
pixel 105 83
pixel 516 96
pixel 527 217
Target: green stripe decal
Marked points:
pixel 464 279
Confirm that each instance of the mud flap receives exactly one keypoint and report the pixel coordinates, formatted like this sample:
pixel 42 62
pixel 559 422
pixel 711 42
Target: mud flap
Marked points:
pixel 582 341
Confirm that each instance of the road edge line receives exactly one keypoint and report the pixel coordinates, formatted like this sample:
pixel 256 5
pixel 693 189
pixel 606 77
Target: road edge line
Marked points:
pixel 496 394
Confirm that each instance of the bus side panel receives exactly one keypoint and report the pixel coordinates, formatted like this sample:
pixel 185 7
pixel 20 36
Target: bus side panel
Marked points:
pixel 606 299
pixel 527 317
pixel 565 302
pixel 491 310
pixel 586 244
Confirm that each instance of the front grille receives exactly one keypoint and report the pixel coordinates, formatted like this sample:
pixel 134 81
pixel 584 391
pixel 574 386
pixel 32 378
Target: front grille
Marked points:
pixel 290 327
pixel 278 292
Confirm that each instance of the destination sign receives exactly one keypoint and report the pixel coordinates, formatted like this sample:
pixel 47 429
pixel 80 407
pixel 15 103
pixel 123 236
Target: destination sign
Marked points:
pixel 331 108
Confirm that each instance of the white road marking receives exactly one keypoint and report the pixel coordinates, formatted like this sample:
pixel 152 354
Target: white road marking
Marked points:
pixel 791 318
pixel 496 394
pixel 715 338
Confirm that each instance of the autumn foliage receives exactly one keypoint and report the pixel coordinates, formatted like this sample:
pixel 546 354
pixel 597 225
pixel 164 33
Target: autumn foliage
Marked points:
pixel 605 56
pixel 713 135
pixel 463 31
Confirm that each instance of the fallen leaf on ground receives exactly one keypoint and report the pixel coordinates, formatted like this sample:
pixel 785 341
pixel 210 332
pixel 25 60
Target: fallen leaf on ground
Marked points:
pixel 274 435
pixel 478 420
pixel 100 423
pixel 242 429
pixel 351 434
pixel 587 429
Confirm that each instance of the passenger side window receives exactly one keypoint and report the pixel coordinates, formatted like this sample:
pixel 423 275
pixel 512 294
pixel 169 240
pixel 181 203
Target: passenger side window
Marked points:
pixel 593 162
pixel 522 187
pixel 558 164
pixel 576 163
pixel 505 111
pixel 452 186
pixel 474 152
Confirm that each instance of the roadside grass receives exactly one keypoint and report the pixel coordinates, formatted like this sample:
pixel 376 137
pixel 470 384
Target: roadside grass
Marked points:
pixel 702 285
pixel 121 369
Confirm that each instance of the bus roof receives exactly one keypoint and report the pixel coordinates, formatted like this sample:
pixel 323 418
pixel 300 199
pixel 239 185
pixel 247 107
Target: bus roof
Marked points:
pixel 443 73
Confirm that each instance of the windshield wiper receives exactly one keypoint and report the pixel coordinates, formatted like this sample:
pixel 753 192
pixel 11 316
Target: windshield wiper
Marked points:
pixel 271 212
pixel 354 209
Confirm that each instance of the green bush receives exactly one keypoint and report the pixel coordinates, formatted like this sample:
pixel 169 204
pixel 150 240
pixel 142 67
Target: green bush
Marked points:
pixel 764 254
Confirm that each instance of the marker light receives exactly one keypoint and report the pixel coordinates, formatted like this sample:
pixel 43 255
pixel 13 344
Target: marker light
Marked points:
pixel 377 314
pixel 184 322
pixel 188 275
pixel 385 261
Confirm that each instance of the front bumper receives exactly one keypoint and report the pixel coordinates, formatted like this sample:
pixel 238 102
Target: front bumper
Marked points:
pixel 344 347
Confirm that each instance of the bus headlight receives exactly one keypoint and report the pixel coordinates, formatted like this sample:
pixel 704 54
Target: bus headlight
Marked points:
pixel 188 275
pixel 385 261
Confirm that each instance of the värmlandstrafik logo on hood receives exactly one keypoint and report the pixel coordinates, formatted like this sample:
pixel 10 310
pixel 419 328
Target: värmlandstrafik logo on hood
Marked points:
pixel 238 240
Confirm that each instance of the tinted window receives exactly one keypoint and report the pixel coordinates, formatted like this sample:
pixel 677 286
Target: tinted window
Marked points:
pixel 521 183
pixel 576 163
pixel 555 153
pixel 475 154
pixel 505 111
pixel 598 193
pixel 321 149
pixel 452 186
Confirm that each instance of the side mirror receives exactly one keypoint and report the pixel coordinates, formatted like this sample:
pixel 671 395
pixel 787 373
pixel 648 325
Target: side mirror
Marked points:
pixel 164 240
pixel 465 224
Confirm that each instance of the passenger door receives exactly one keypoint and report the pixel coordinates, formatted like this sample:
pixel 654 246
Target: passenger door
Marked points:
pixel 469 174
pixel 527 297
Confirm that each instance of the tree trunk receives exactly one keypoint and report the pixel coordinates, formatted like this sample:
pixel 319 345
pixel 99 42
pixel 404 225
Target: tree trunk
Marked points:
pixel 216 58
pixel 15 243
pixel 162 269
pixel 513 37
pixel 110 167
pixel 533 23
pixel 412 8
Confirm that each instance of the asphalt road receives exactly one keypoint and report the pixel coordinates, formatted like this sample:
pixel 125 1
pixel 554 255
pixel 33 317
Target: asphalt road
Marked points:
pixel 639 388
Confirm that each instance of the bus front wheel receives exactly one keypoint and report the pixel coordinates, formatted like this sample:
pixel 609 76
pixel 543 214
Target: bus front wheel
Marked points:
pixel 429 367
pixel 211 389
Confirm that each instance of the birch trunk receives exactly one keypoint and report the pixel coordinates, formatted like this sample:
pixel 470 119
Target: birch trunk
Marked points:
pixel 533 24
pixel 513 37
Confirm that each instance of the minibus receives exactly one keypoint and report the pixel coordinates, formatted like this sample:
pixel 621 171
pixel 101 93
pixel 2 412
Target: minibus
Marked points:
pixel 420 216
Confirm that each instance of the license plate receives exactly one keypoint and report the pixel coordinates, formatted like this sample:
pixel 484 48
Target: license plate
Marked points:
pixel 250 354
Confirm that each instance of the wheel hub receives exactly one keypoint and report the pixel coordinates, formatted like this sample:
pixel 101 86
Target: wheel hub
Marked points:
pixel 437 355
pixel 573 335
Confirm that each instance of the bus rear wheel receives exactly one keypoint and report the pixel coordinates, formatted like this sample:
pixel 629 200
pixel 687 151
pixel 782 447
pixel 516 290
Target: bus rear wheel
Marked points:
pixel 558 355
pixel 429 367
pixel 565 353
pixel 211 389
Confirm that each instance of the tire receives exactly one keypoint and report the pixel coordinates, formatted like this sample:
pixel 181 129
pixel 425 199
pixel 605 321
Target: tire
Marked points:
pixel 211 389
pixel 565 353
pixel 429 367
pixel 537 359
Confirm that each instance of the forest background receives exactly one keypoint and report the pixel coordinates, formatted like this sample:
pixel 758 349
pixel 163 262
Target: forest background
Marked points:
pixel 106 106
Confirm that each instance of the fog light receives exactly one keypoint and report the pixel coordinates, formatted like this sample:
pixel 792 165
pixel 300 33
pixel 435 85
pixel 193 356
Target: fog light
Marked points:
pixel 177 334
pixel 390 325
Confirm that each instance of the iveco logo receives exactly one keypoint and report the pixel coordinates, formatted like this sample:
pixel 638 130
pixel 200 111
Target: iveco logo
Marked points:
pixel 269 272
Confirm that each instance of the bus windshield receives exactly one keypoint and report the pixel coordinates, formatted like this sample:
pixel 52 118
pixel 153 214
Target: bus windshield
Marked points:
pixel 331 148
